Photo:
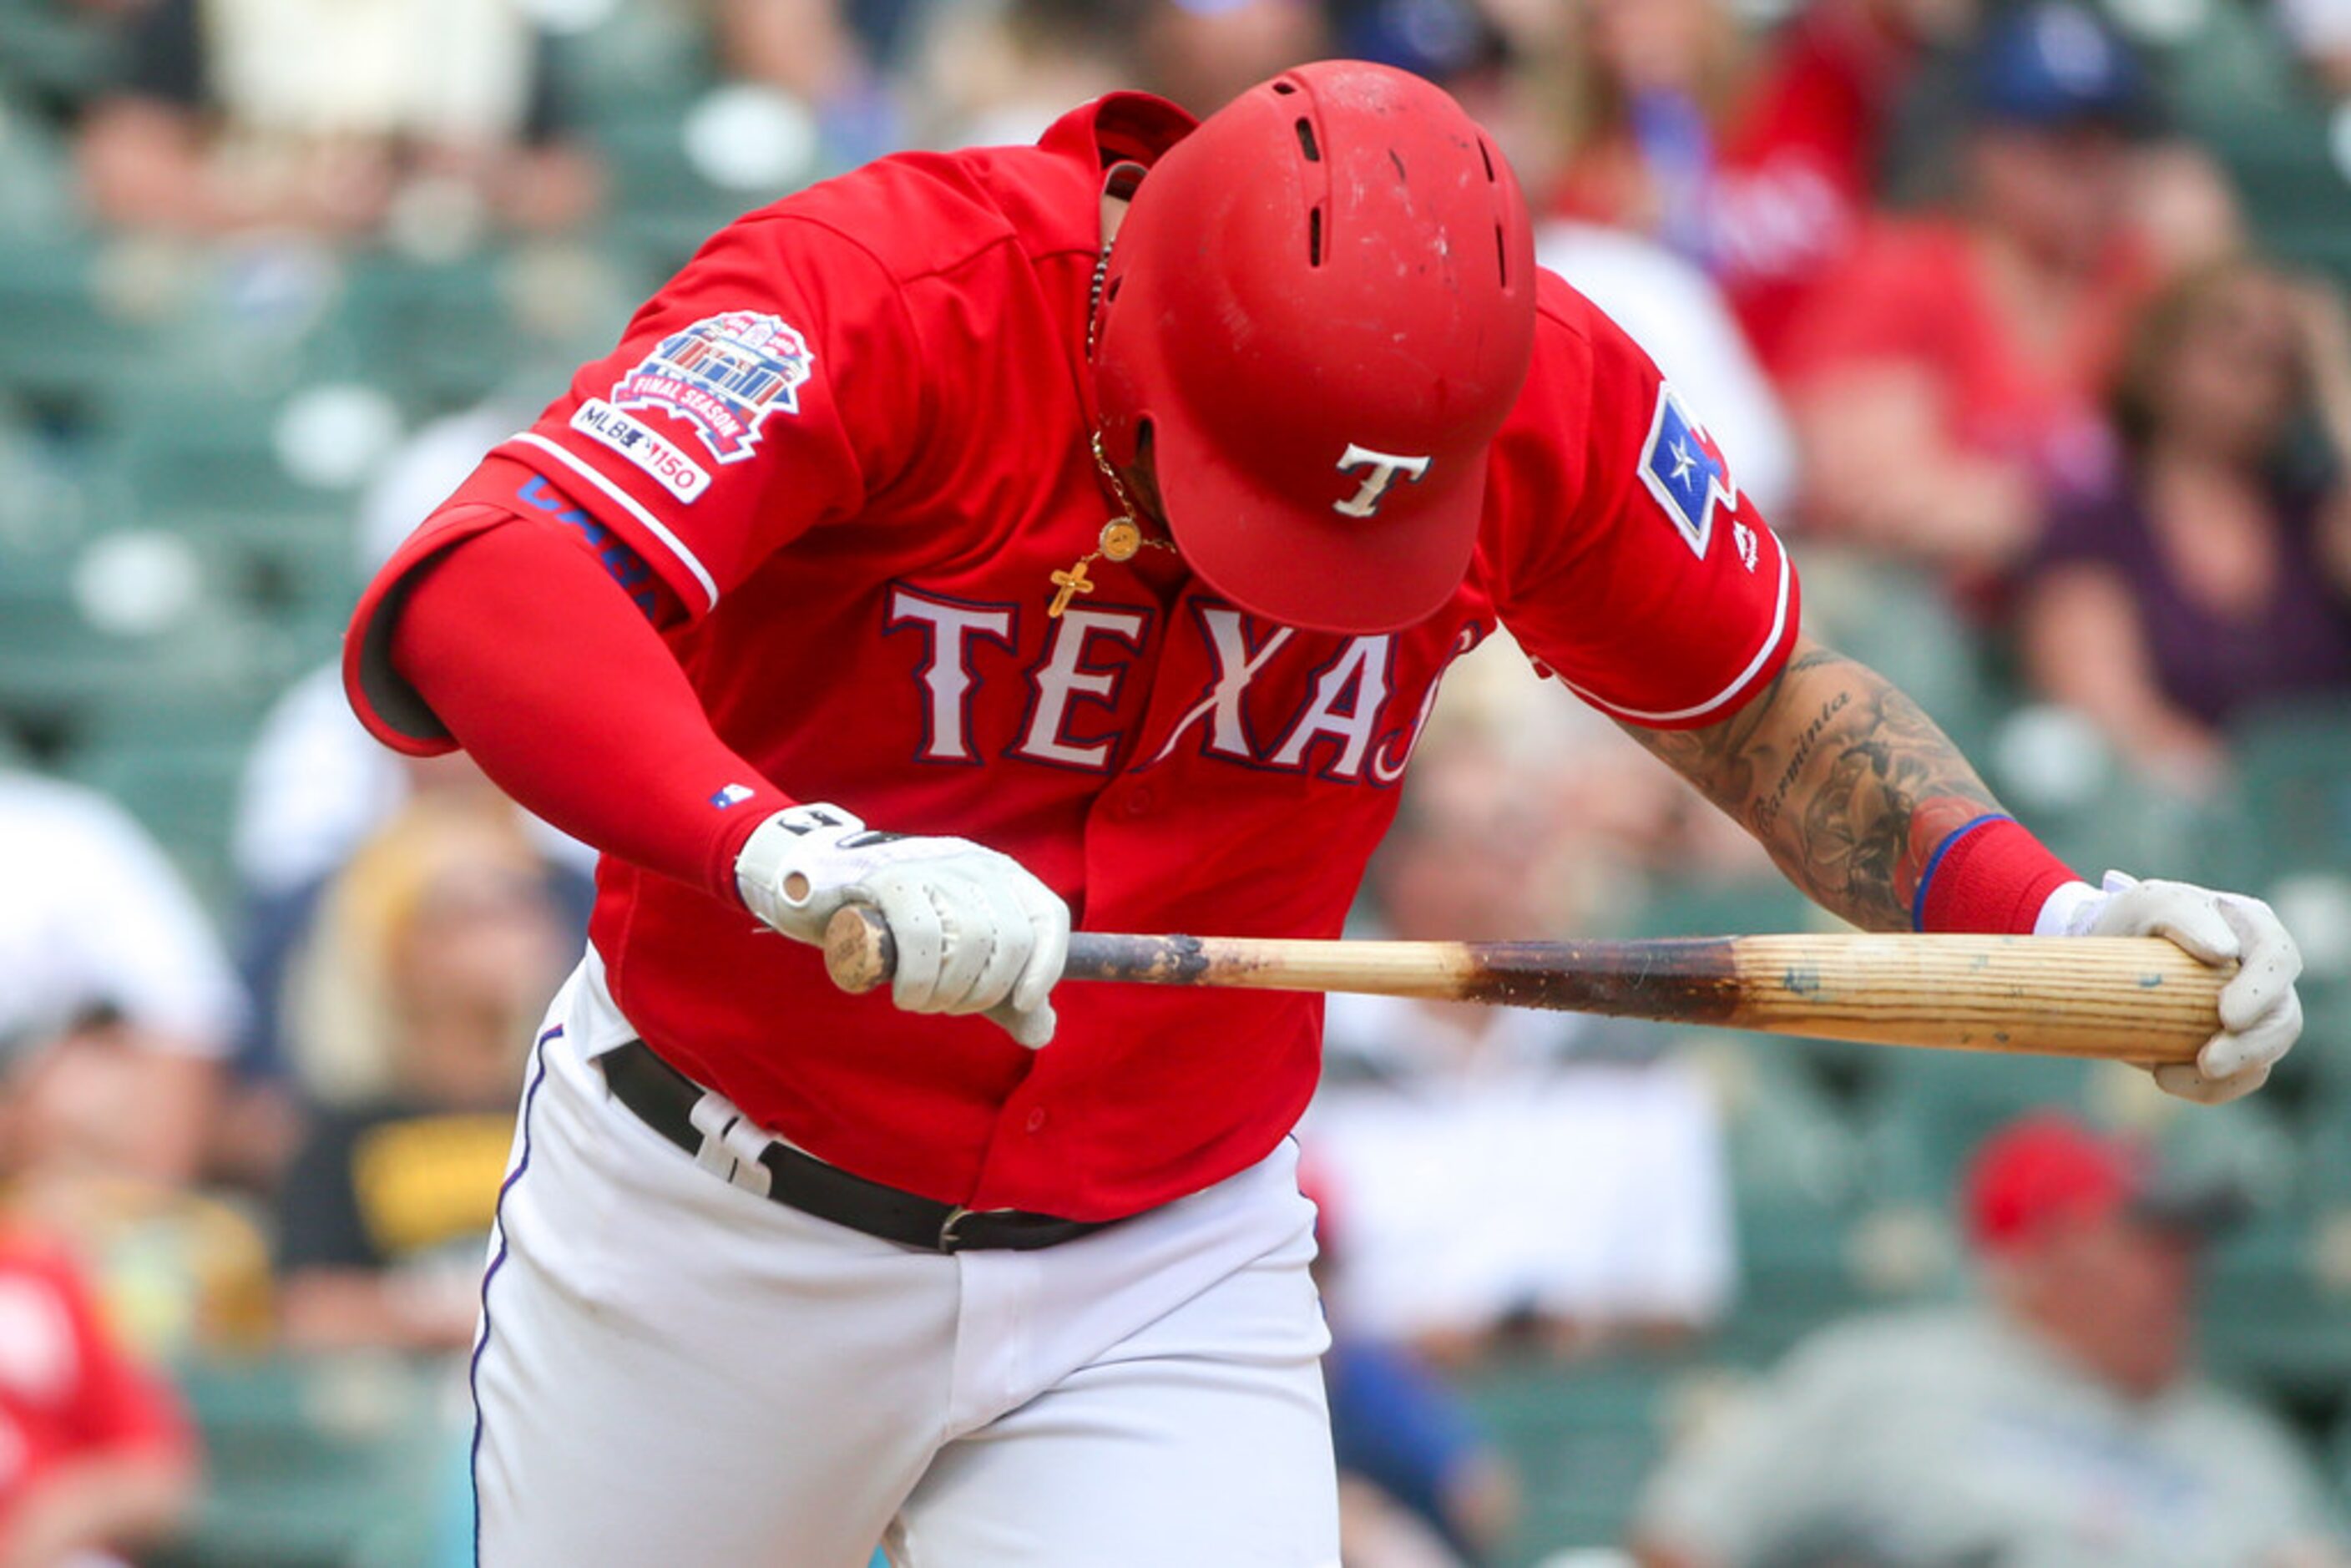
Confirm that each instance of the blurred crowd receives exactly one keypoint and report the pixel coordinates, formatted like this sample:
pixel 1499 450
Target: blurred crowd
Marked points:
pixel 2023 320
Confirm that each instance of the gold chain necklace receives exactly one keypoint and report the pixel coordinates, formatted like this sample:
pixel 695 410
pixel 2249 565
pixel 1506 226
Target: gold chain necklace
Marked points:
pixel 1122 536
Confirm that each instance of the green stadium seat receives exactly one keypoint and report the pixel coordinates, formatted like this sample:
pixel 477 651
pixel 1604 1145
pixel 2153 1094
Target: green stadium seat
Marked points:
pixel 436 335
pixel 57 342
pixel 1725 908
pixel 37 194
pixel 2234 84
pixel 1796 1271
pixel 1791 1142
pixel 2286 176
pixel 664 209
pixel 183 792
pixel 317 1463
pixel 2233 57
pixel 1900 621
pixel 55 53
pixel 2326 1151
pixel 1583 1437
pixel 641 59
pixel 2291 822
pixel 2273 1308
pixel 1938 1106
pixel 188 462
pixel 2293 793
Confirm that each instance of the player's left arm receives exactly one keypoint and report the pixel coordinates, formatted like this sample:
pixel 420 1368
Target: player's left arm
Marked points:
pixel 1865 805
pixel 1838 775
pixel 1661 597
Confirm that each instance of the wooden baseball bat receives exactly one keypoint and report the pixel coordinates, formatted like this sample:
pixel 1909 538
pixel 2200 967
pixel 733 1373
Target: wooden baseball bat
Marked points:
pixel 2135 999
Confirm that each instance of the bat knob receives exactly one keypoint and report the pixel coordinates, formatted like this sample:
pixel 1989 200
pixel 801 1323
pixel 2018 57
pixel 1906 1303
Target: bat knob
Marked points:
pixel 858 952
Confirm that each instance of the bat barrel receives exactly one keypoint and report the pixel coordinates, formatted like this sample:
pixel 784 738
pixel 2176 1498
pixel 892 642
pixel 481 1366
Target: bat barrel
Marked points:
pixel 2133 998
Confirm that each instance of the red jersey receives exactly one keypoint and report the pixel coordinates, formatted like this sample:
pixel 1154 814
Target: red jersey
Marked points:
pixel 852 437
pixel 67 1394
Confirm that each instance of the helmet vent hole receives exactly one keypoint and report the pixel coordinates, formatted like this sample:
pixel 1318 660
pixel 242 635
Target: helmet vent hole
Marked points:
pixel 1306 141
pixel 1503 255
pixel 1314 237
pixel 1487 154
pixel 1285 88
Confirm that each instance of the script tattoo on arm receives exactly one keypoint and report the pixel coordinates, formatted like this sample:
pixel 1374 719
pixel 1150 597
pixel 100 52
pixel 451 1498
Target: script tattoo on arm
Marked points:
pixel 1841 776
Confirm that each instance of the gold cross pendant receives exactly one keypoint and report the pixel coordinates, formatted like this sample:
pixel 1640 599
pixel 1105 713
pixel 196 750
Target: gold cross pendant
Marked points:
pixel 1067 585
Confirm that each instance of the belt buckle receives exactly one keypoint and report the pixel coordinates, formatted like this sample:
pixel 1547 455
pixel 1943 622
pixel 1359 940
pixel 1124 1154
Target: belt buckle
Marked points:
pixel 948 1240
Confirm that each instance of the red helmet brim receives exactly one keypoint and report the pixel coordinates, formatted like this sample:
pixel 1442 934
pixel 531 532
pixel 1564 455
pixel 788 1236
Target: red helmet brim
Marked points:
pixel 1320 571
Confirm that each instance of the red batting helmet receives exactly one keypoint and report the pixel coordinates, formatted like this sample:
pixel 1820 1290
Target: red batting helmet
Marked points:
pixel 1321 304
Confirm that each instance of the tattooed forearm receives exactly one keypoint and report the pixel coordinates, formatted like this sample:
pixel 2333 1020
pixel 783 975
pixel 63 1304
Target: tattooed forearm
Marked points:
pixel 1765 816
pixel 1841 776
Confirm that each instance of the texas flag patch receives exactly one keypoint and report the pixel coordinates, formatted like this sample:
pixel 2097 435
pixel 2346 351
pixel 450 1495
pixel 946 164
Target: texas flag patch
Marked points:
pixel 1686 471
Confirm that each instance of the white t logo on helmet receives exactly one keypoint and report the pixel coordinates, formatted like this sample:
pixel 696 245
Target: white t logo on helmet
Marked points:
pixel 1384 467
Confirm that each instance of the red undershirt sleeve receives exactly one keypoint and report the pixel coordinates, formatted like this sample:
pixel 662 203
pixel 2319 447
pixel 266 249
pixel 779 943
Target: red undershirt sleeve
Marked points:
pixel 520 643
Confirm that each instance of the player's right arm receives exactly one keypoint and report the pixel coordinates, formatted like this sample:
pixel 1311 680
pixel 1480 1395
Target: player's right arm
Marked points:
pixel 526 621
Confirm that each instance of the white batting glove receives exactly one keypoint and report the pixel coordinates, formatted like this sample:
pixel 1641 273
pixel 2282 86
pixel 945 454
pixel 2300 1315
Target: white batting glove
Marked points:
pixel 2260 1016
pixel 975 932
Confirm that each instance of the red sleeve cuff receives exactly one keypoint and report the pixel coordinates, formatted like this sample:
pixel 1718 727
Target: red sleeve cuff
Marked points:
pixel 386 703
pixel 1713 708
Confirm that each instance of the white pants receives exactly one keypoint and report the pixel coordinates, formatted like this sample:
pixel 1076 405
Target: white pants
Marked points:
pixel 672 1370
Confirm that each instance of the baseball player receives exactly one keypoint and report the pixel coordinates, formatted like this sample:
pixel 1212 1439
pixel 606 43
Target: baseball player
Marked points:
pixel 1076 531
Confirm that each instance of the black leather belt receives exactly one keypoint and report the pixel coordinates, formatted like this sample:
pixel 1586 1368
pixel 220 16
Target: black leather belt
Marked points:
pixel 663 1099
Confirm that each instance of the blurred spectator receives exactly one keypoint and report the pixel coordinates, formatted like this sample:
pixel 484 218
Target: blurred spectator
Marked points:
pixel 98 935
pixel 1200 53
pixel 2216 576
pixel 998 74
pixel 2054 1421
pixel 1419 1485
pixel 829 57
pixel 334 120
pixel 96 1455
pixel 1454 43
pixel 435 951
pixel 315 785
pixel 1946 380
pixel 178 1268
pixel 1676 312
pixel 2321 31
pixel 313 789
pixel 807 48
pixel 1756 167
pixel 1508 1172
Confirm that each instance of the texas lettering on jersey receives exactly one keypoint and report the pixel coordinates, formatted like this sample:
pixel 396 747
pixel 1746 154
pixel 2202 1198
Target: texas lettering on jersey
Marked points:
pixel 1332 707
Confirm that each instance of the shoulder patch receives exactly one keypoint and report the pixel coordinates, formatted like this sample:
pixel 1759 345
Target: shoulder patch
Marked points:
pixel 724 375
pixel 1686 471
pixel 638 442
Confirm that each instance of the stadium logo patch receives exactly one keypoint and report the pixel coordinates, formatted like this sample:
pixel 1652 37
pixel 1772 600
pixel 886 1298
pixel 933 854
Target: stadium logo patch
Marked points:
pixel 1686 471
pixel 724 375
pixel 676 472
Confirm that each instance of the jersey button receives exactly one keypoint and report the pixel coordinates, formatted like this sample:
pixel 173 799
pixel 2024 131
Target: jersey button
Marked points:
pixel 1036 1119
pixel 1138 800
